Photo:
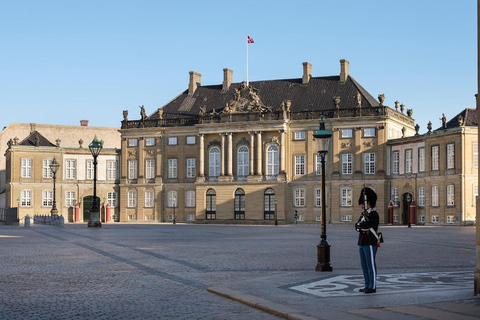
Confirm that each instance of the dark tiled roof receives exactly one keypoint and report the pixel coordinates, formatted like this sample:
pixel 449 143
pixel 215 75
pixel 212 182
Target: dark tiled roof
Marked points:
pixel 32 139
pixel 316 95
pixel 468 116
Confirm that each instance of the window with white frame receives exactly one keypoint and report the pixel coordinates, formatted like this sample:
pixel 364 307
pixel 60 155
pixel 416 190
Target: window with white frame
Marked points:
pixel 395 196
pixel 47 198
pixel 272 160
pixel 149 198
pixel 408 161
pixel 450 156
pixel 346 195
pixel 191 140
pixel 46 171
pixel 299 197
pixel 299 135
pixel 435 219
pixel 70 169
pixel 435 158
pixel 475 194
pixel 190 198
pixel 70 199
pixel 347 163
pixel 396 162
pixel 435 196
pixel 132 169
pixel 149 169
pixel 347 218
pixel 89 164
pixel 26 198
pixel 475 154
pixel 318 197
pixel 421 218
pixel 421 159
pixel 131 198
pixel 369 162
pixel 450 219
pixel 299 165
pixel 421 196
pixel 450 195
pixel 172 200
pixel 132 142
pixel 243 158
pixel 172 168
pixel 112 199
pixel 214 162
pixel 395 218
pixel 318 161
pixel 190 217
pixel 111 170
pixel 191 168
pixel 369 132
pixel 347 133
pixel 26 168
pixel 318 218
pixel 149 142
pixel 172 141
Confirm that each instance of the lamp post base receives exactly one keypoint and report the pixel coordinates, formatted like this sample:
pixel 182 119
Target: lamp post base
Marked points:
pixel 94 220
pixel 323 256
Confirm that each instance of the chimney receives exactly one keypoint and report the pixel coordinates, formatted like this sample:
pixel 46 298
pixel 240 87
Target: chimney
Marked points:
pixel 195 79
pixel 344 70
pixel 307 72
pixel 227 79
pixel 84 123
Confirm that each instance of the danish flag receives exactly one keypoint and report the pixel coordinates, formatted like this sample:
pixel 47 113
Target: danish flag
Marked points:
pixel 250 40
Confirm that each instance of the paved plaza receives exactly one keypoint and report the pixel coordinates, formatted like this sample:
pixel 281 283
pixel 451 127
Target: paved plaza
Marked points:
pixel 164 271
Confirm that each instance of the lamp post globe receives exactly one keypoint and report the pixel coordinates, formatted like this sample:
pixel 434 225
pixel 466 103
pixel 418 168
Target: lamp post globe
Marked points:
pixel 322 138
pixel 54 165
pixel 95 147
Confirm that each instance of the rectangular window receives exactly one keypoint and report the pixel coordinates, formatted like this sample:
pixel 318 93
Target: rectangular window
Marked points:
pixel 421 160
pixel 47 198
pixel 26 198
pixel 149 199
pixel 450 195
pixel 89 169
pixel 318 197
pixel 347 163
pixel 435 158
pixel 347 218
pixel 318 218
pixel 132 169
pixel 26 168
pixel 46 171
pixel 70 169
pixel 369 161
pixel 70 199
pixel 408 161
pixel 369 132
pixel 346 197
pixel 396 162
pixel 450 219
pixel 149 142
pixel 450 156
pixel 475 154
pixel 191 169
pixel 421 219
pixel 299 135
pixel 172 168
pixel 149 169
pixel 172 141
pixel 190 199
pixel 131 198
pixel 395 197
pixel 172 199
pixel 299 165
pixel 132 142
pixel 434 196
pixel 421 196
pixel 111 170
pixel 299 197
pixel 190 217
pixel 191 140
pixel 347 133
pixel 112 199
pixel 435 219
pixel 318 161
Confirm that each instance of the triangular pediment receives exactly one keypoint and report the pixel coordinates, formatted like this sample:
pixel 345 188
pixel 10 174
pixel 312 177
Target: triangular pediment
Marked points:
pixel 245 99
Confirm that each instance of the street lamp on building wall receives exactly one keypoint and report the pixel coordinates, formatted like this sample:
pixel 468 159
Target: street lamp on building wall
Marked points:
pixel 322 138
pixel 94 221
pixel 54 165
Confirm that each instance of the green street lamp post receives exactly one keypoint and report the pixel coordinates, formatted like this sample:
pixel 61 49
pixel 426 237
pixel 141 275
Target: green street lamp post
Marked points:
pixel 322 138
pixel 94 221
pixel 54 165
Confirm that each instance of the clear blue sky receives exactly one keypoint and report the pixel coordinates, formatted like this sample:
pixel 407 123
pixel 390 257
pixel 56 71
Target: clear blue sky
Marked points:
pixel 63 61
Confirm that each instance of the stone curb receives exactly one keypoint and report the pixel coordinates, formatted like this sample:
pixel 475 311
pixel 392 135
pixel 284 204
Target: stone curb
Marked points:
pixel 261 304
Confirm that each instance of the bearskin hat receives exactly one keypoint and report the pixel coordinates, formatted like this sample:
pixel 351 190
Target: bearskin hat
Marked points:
pixel 371 197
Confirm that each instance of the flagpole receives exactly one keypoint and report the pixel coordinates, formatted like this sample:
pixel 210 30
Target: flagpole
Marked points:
pixel 246 43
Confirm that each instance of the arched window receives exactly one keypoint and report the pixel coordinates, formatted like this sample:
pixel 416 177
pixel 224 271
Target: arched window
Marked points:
pixel 211 204
pixel 239 204
pixel 243 158
pixel 272 162
pixel 269 204
pixel 214 164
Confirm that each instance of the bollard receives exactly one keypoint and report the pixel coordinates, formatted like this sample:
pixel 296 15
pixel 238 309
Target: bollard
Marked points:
pixel 27 221
pixel 61 221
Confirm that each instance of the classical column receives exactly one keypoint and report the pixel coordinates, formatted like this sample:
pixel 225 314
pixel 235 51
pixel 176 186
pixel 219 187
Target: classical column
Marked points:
pixel 282 151
pixel 230 154
pixel 202 155
pixel 259 153
pixel 252 152
pixel 222 156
